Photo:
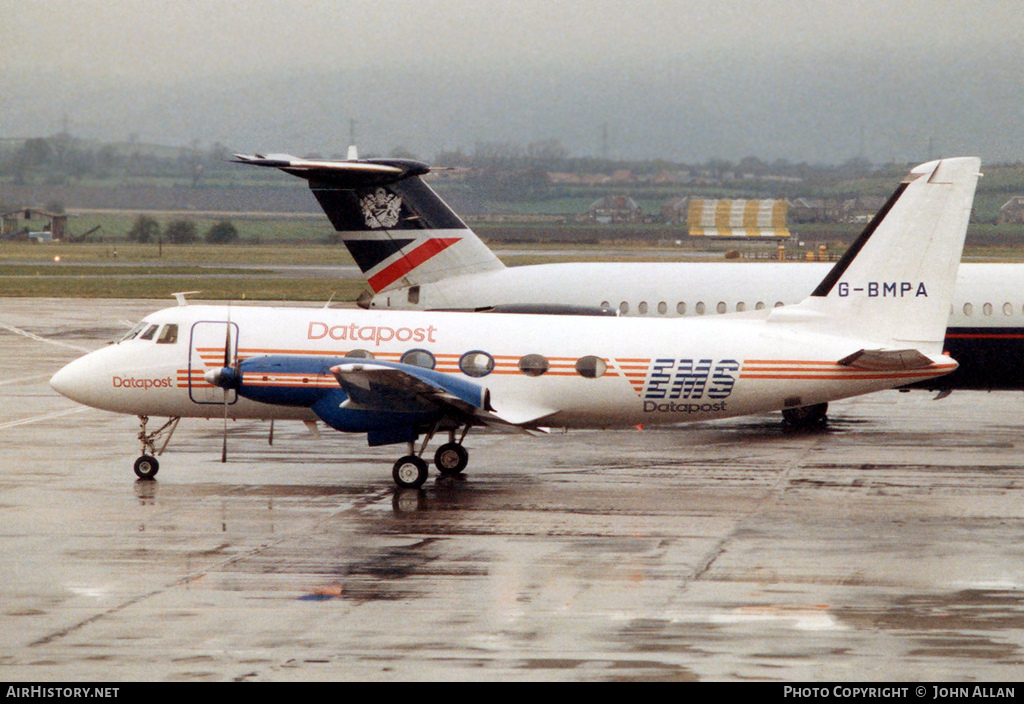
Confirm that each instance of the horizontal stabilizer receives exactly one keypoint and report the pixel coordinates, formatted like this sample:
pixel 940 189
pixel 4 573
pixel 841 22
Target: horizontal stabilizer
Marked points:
pixel 365 172
pixel 886 360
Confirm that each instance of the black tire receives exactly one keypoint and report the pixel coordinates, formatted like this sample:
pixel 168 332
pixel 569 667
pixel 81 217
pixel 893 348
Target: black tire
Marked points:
pixel 451 458
pixel 806 416
pixel 146 467
pixel 410 472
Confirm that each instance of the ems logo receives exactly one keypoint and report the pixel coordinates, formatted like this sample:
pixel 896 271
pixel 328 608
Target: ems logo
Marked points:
pixel 380 209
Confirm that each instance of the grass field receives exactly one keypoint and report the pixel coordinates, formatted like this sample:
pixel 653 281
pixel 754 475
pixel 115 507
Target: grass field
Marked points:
pixel 261 271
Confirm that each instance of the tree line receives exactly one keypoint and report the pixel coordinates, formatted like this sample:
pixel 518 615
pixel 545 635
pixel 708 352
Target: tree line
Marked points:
pixel 181 231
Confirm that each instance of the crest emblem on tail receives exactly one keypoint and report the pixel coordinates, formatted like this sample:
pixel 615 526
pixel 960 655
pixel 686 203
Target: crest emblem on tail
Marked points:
pixel 380 209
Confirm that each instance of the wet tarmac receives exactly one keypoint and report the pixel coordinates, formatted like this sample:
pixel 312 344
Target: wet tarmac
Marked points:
pixel 888 547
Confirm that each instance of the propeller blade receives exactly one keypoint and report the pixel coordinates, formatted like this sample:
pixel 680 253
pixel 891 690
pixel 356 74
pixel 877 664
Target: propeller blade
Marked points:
pixel 227 363
pixel 224 446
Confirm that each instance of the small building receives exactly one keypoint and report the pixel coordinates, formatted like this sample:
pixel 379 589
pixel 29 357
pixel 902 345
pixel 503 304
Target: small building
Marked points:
pixel 1012 211
pixel 862 209
pixel 20 224
pixel 615 209
pixel 814 210
pixel 674 211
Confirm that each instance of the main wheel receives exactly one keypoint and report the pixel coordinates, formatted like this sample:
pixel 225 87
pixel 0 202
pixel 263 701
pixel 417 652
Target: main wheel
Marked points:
pixel 806 416
pixel 410 472
pixel 451 458
pixel 146 467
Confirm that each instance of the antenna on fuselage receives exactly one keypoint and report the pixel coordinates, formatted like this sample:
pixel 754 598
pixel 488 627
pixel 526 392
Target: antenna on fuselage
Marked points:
pixel 180 296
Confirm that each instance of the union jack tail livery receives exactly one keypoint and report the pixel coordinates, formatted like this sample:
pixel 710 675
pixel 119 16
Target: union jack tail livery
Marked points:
pixel 398 230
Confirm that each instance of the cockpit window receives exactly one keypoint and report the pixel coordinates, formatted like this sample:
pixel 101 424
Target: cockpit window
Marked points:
pixel 135 331
pixel 169 334
pixel 150 331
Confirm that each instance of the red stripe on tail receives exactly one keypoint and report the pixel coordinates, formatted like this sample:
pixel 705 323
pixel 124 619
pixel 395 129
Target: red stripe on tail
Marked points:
pixel 396 270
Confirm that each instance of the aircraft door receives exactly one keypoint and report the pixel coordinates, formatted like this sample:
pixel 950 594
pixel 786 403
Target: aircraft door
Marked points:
pixel 206 351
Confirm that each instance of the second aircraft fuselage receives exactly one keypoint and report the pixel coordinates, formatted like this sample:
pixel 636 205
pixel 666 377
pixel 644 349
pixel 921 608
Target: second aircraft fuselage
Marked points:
pixel 986 324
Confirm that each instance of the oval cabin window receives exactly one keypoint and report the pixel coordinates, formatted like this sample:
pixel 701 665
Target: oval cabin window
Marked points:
pixel 476 364
pixel 534 365
pixel 591 367
pixel 419 358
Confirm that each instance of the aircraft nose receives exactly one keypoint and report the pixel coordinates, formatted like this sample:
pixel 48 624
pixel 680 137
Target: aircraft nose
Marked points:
pixel 73 382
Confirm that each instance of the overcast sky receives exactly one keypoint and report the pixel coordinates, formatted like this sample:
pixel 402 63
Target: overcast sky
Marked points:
pixel 804 81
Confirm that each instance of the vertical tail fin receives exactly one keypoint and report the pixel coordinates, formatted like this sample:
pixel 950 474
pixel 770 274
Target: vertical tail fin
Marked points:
pixel 396 227
pixel 895 283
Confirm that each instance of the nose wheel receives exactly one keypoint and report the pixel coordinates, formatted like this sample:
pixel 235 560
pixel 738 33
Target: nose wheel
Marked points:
pixel 146 467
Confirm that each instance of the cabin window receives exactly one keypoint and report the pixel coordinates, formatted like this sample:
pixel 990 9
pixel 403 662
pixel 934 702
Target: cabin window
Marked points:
pixel 150 331
pixel 759 305
pixel 740 307
pixel 968 309
pixel 533 365
pixel 681 308
pixel 721 308
pixel 359 354
pixel 476 364
pixel 779 304
pixel 1007 309
pixel 591 367
pixel 623 308
pixel 699 308
pixel 642 308
pixel 987 309
pixel 662 307
pixel 605 305
pixel 134 331
pixel 419 358
pixel 414 295
pixel 169 335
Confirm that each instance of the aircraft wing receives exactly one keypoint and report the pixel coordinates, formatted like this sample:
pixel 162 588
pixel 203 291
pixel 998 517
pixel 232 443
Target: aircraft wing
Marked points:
pixel 387 385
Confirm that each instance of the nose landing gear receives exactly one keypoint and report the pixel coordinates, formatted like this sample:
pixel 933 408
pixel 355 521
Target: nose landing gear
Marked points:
pixel 147 465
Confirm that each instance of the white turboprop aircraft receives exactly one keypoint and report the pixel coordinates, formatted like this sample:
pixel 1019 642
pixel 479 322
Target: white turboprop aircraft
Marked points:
pixel 876 321
pixel 418 255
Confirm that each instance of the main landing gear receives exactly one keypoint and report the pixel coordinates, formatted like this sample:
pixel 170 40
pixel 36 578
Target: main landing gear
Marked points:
pixel 410 472
pixel 147 465
pixel 806 417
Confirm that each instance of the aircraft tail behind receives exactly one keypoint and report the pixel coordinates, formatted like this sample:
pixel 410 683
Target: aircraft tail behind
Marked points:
pixel 895 283
pixel 396 227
